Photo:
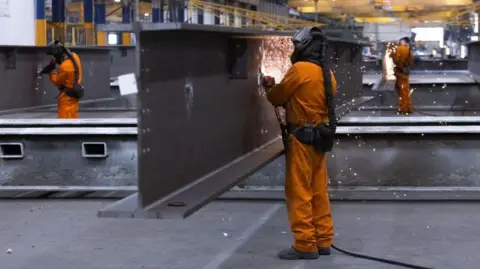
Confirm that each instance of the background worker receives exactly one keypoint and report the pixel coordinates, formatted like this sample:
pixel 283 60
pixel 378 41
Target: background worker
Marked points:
pixel 303 94
pixel 68 79
pixel 403 59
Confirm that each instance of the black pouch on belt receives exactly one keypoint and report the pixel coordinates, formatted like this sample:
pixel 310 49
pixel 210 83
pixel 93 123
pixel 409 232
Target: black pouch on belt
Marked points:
pixel 324 138
pixel 304 134
pixel 321 137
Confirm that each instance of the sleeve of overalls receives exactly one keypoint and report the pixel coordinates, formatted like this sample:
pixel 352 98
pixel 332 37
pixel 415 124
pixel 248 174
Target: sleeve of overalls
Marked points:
pixel 58 78
pixel 279 94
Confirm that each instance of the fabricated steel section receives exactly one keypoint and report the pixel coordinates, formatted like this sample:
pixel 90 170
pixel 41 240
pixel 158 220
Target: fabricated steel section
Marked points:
pixel 21 88
pixel 202 131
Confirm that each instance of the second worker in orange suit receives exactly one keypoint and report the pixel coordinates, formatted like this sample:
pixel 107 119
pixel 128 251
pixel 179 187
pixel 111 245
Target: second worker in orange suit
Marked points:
pixel 306 92
pixel 67 78
pixel 403 60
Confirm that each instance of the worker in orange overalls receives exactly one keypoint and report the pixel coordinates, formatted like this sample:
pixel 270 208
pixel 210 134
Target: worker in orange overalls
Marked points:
pixel 306 92
pixel 403 59
pixel 68 79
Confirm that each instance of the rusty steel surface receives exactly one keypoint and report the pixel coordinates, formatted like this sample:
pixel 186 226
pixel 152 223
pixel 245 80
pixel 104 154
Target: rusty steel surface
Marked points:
pixel 196 119
pixel 20 87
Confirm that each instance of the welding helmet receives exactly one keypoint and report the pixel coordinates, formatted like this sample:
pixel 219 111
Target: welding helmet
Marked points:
pixel 310 44
pixel 56 49
pixel 405 39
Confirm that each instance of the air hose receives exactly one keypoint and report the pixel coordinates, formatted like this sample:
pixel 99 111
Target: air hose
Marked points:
pixel 382 260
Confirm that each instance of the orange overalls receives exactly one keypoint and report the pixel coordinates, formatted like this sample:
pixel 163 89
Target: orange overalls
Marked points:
pixel 402 58
pixel 303 94
pixel 64 78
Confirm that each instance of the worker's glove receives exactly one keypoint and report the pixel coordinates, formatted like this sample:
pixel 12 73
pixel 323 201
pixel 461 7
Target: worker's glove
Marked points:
pixel 280 114
pixel 47 69
pixel 268 82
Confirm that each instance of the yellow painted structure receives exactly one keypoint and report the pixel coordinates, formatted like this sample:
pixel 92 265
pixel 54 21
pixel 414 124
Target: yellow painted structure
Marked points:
pixel 41 32
pixel 391 11
pixel 102 39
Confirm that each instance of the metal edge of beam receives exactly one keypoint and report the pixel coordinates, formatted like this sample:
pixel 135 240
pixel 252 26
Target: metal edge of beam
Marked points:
pixel 70 122
pixel 198 193
pixel 33 108
pixel 66 192
pixel 418 108
pixel 475 77
pixel 129 207
pixel 205 189
pixel 80 47
pixel 426 82
pixel 250 193
pixel 343 109
pixel 437 130
pixel 366 193
pixel 71 131
pixel 124 27
pixel 410 120
pixel 343 130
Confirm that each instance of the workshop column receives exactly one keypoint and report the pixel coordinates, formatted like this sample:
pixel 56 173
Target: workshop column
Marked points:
pixel 100 19
pixel 58 19
pixel 126 18
pixel 157 11
pixel 40 23
pixel 88 22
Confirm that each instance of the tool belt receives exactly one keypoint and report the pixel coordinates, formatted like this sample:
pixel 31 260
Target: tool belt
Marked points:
pixel 76 92
pixel 320 136
pixel 403 70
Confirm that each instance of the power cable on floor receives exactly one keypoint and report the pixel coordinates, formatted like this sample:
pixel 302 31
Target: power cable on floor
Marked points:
pixel 382 260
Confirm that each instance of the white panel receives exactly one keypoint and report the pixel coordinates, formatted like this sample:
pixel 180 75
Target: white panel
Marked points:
pixel 18 28
pixel 4 8
pixel 390 32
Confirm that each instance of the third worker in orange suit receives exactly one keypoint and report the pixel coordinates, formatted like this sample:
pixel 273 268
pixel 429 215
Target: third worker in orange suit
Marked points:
pixel 403 60
pixel 308 100
pixel 67 78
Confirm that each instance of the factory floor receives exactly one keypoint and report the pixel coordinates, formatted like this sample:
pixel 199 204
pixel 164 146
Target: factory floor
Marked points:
pixel 47 234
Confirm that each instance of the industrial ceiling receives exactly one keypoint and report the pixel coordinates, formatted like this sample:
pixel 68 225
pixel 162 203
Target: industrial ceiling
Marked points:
pixel 385 11
pixel 413 12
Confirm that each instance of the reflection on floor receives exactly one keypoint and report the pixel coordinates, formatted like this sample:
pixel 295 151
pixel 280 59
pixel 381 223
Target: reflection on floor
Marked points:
pixel 233 235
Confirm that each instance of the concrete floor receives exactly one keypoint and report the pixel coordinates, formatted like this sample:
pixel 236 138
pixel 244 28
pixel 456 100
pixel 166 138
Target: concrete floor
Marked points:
pixel 230 235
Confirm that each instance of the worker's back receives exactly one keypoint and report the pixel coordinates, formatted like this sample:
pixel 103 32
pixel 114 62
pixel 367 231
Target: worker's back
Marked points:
pixel 67 70
pixel 402 58
pixel 308 102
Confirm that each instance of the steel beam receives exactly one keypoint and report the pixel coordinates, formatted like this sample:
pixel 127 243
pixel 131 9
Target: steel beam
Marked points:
pixel 209 127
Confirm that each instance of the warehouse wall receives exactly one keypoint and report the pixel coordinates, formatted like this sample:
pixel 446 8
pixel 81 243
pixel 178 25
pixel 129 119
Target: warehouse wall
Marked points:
pixel 17 22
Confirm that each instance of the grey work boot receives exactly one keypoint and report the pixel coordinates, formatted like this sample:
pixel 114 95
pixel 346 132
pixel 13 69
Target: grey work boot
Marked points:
pixel 294 254
pixel 324 251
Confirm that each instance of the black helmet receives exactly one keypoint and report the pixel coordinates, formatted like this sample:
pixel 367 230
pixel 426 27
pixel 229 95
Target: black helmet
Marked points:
pixel 56 49
pixel 406 39
pixel 310 44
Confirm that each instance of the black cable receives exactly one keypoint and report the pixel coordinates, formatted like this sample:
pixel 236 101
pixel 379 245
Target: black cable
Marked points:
pixel 366 257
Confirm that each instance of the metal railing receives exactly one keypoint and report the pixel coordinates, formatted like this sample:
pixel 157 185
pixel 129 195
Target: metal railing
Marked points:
pixel 228 16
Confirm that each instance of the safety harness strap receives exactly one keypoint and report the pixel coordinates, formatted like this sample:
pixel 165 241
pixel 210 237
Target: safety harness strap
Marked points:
pixel 330 97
